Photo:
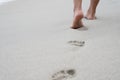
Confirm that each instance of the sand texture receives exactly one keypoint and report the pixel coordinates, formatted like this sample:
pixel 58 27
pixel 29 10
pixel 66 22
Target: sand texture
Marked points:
pixel 37 43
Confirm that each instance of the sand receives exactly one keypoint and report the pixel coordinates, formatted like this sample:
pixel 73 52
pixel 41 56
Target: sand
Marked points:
pixel 36 41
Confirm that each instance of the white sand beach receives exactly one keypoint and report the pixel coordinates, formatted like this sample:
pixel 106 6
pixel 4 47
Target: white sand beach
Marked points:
pixel 35 38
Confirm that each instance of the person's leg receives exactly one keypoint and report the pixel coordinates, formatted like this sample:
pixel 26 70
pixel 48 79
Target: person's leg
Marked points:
pixel 92 10
pixel 78 14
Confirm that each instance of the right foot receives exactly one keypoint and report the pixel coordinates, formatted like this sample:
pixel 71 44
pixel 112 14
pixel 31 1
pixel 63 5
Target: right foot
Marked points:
pixel 77 22
pixel 90 15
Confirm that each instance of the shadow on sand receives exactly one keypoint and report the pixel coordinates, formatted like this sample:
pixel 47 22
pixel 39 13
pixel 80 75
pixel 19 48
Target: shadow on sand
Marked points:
pixel 83 29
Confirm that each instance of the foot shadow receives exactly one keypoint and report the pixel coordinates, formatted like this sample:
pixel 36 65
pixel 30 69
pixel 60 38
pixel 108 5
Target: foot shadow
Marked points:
pixel 64 74
pixel 84 28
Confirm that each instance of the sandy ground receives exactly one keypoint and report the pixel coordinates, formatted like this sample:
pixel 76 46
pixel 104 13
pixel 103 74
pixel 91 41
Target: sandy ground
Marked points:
pixel 2 2
pixel 35 36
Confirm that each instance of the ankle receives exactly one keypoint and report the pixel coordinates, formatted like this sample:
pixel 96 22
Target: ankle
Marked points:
pixel 78 13
pixel 91 11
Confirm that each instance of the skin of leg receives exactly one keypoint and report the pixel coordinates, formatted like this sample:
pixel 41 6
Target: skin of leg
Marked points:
pixel 78 15
pixel 92 10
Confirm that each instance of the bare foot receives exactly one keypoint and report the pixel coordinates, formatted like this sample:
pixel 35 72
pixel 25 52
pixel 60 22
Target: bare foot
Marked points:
pixel 77 21
pixel 90 15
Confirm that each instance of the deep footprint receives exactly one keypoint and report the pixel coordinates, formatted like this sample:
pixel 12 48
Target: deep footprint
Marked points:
pixel 77 43
pixel 63 74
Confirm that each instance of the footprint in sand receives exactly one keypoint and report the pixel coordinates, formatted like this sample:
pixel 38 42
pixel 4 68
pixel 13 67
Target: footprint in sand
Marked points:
pixel 77 43
pixel 63 74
